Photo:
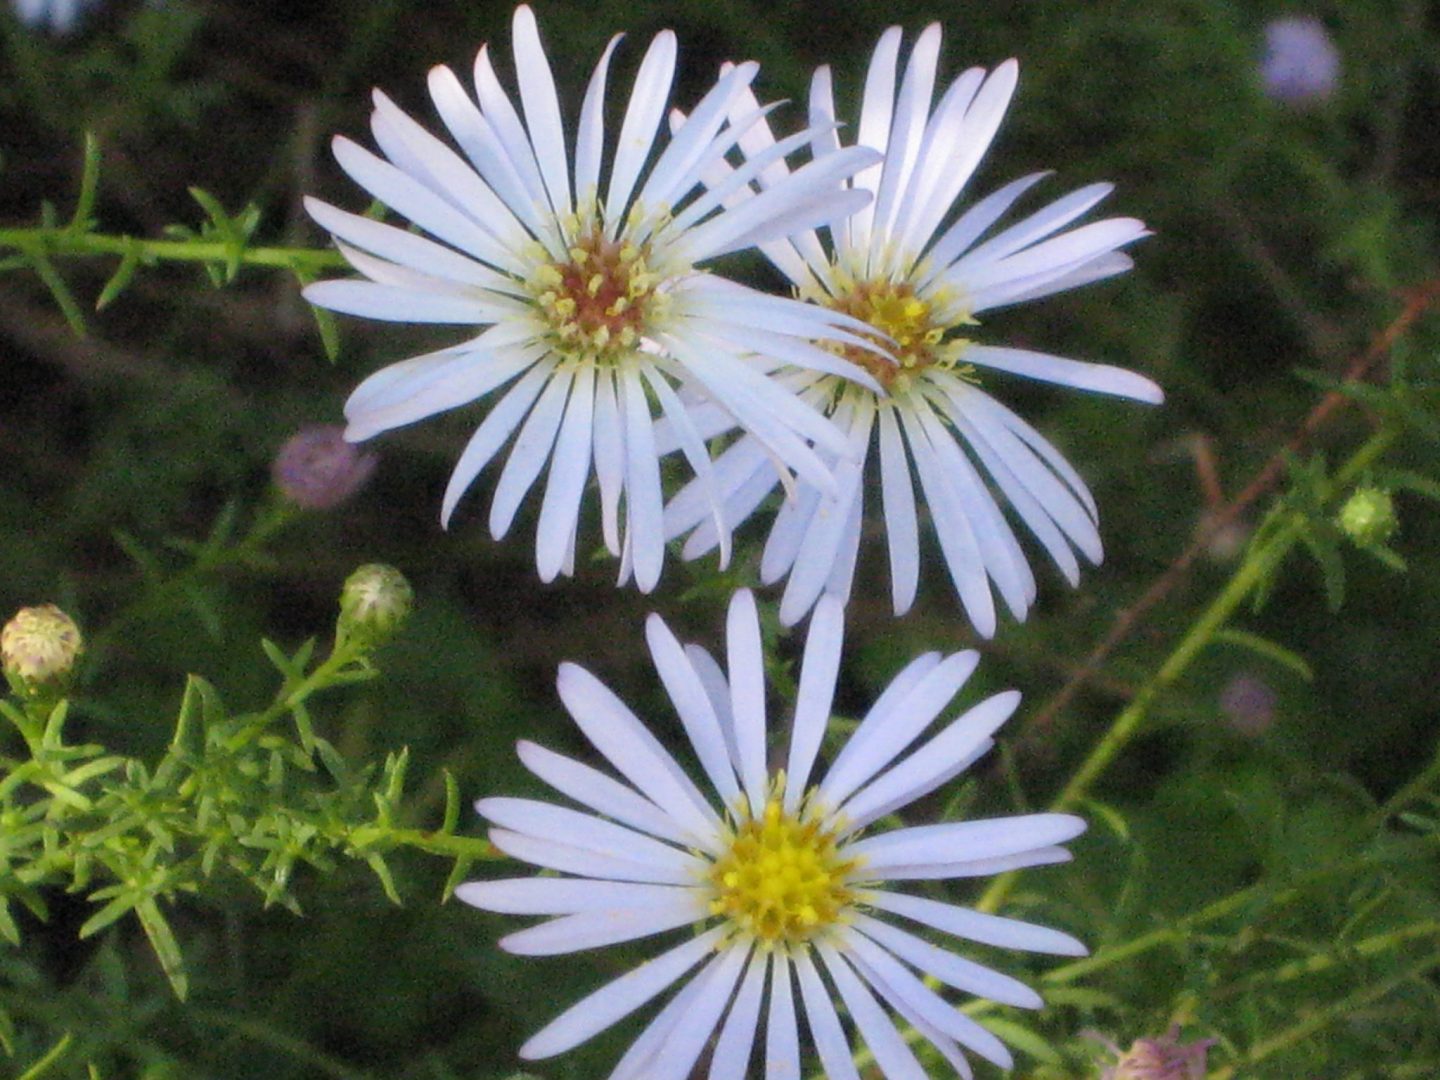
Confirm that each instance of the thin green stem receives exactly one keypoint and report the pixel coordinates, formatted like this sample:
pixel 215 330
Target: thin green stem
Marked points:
pixel 53 1055
pixel 1338 1010
pixel 1250 574
pixel 62 240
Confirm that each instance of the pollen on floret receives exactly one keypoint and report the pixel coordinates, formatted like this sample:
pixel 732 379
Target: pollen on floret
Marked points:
pixel 599 299
pixel 782 880
pixel 912 323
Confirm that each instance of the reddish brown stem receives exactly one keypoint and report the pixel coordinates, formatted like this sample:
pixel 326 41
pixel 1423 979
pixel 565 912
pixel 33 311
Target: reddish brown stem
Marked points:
pixel 1417 302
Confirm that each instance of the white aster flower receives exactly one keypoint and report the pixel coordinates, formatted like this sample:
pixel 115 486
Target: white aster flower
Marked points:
pixel 592 309
pixel 777 878
pixel 894 266
pixel 57 15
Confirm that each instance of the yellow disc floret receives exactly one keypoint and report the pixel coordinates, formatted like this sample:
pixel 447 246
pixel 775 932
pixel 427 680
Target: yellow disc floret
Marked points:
pixel 598 300
pixel 910 321
pixel 782 880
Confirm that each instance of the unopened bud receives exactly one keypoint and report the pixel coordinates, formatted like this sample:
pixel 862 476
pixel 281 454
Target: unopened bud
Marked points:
pixel 1368 517
pixel 317 469
pixel 39 647
pixel 374 603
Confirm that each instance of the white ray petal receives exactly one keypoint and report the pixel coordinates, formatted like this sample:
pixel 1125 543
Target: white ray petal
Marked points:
pixel 644 505
pixel 532 817
pixel 530 452
pixel 482 145
pixel 736 1043
pixel 603 794
pixel 745 661
pixel 1101 378
pixel 971 225
pixel 830 1041
pixel 642 118
pixel 782 1034
pixel 618 998
pixel 896 1060
pixel 511 138
pixel 590 135
pixel 567 896
pixel 974 840
pixel 967 868
pixel 504 417
pixel 598 928
pixel 569 469
pixel 883 734
pixel 905 992
pixel 902 534
pixel 628 745
pixel 573 859
pixel 687 692
pixel 995 930
pixel 678 1053
pixel 542 108
pixel 609 457
pixel 951 969
pixel 818 669
pixel 917 774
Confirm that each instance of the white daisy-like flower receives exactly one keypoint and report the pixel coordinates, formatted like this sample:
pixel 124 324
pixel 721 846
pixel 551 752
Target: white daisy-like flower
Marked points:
pixel 895 265
pixel 592 307
pixel 776 879
pixel 57 15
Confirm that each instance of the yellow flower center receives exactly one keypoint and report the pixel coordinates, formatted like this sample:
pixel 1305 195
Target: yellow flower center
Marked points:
pixel 599 300
pixel 897 311
pixel 782 880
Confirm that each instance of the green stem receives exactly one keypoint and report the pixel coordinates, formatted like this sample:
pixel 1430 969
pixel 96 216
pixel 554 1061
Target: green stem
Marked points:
pixel 55 1053
pixel 1370 946
pixel 58 240
pixel 1251 573
pixel 1340 1010
pixel 466 847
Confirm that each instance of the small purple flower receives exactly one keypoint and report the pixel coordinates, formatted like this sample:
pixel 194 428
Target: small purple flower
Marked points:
pixel 317 469
pixel 1300 65
pixel 1248 703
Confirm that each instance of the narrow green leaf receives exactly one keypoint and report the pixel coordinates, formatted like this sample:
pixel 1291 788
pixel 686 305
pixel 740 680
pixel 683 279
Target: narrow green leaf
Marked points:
pixel 64 298
pixel 1269 649
pixel 377 864
pixel 1026 1039
pixel 124 273
pixel 9 930
pixel 167 949
pixel 457 875
pixel 110 912
pixel 1332 567
pixel 52 1057
pixel 303 727
pixel 452 803
pixel 1113 819
pixel 80 221
pixel 279 659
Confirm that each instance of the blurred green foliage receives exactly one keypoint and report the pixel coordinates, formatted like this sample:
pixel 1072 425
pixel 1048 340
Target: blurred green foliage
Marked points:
pixel 1271 853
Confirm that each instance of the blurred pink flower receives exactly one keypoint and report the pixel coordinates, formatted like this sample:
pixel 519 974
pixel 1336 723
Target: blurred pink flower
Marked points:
pixel 317 469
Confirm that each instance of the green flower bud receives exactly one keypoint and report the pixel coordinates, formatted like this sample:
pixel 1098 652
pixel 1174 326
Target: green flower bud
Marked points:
pixel 1368 517
pixel 39 647
pixel 374 603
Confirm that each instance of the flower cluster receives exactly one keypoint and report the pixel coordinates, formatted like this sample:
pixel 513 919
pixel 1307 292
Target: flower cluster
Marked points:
pixel 607 342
